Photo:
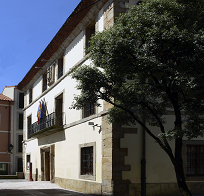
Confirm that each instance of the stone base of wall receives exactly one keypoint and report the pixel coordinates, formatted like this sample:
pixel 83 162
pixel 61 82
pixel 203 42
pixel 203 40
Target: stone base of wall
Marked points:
pixel 20 175
pixel 167 189
pixel 88 187
pixel 34 176
pixel 27 175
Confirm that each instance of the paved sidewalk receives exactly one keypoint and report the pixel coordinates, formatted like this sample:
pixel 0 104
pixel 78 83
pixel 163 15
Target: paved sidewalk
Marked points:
pixel 18 187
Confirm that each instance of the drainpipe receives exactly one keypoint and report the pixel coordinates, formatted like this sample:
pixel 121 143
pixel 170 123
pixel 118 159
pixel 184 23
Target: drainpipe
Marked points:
pixel 143 160
pixel 9 125
pixel 9 121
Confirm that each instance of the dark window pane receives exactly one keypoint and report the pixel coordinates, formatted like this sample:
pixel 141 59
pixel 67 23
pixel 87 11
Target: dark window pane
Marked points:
pixel 20 123
pixel 87 161
pixel 20 165
pixel 29 126
pixel 20 139
pixel 30 95
pixel 21 100
pixel 90 30
pixel 89 110
pixel 60 68
pixel 195 160
pixel 3 169
pixel 44 82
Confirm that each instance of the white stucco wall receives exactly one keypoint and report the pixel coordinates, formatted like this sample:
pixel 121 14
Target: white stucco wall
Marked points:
pixel 74 52
pixel 67 142
pixel 69 151
pixel 9 91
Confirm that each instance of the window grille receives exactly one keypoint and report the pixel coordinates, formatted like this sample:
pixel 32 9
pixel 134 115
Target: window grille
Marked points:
pixel 51 74
pixel 195 160
pixel 87 160
pixel 88 110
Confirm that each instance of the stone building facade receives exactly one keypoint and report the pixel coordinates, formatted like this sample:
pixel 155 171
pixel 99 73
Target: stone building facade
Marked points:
pixel 79 150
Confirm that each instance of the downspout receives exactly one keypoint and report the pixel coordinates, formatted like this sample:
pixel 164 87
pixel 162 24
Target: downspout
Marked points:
pixel 143 160
pixel 9 125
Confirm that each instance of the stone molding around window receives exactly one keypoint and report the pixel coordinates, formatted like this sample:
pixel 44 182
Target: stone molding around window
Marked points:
pixel 88 177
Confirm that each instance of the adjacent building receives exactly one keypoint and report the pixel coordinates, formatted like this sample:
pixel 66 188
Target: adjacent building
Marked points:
pixel 79 150
pixel 11 130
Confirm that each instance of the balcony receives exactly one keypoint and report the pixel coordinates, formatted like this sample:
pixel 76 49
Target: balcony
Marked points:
pixel 48 125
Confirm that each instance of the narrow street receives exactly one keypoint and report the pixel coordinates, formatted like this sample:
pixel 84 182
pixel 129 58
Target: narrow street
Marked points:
pixel 19 187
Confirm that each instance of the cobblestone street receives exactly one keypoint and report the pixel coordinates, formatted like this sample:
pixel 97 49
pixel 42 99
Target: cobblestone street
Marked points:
pixel 26 188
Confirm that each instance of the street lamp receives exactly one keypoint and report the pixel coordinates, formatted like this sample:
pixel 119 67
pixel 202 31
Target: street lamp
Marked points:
pixel 10 148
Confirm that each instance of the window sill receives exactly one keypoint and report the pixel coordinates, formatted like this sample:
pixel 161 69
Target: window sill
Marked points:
pixel 88 177
pixel 194 178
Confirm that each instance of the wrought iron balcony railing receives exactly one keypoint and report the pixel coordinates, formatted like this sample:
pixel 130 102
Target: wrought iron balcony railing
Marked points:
pixel 51 122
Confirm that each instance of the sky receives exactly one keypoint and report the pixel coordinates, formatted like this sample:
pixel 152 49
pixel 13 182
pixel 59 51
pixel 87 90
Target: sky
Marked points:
pixel 26 28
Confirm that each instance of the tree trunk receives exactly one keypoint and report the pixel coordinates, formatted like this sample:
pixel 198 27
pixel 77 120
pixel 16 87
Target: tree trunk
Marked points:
pixel 180 177
pixel 178 166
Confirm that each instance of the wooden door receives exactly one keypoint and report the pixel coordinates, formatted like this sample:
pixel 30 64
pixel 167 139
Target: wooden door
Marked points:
pixel 47 166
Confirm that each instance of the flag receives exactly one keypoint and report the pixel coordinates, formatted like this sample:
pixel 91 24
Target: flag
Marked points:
pixel 43 110
pixel 39 112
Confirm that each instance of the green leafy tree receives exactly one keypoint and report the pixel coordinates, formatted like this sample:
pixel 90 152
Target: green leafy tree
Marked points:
pixel 151 61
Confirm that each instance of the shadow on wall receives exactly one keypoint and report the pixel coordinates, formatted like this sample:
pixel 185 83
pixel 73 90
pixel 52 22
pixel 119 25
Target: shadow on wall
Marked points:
pixel 57 137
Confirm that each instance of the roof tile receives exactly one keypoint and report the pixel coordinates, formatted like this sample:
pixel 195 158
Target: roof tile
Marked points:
pixel 5 98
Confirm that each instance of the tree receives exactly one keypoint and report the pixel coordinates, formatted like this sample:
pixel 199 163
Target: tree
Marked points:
pixel 151 61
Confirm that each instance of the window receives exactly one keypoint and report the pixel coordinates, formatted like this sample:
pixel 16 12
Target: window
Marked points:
pixel 28 126
pixel 44 87
pixel 88 110
pixel 60 68
pixel 59 110
pixel 87 161
pixel 195 160
pixel 3 168
pixel 20 139
pixel 21 100
pixel 51 74
pixel 90 30
pixel 30 95
pixel 87 155
pixel 20 121
pixel 20 165
pixel 28 162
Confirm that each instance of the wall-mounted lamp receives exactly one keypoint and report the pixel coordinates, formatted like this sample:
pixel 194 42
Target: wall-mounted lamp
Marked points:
pixel 10 148
pixel 38 67
pixel 24 144
pixel 95 125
